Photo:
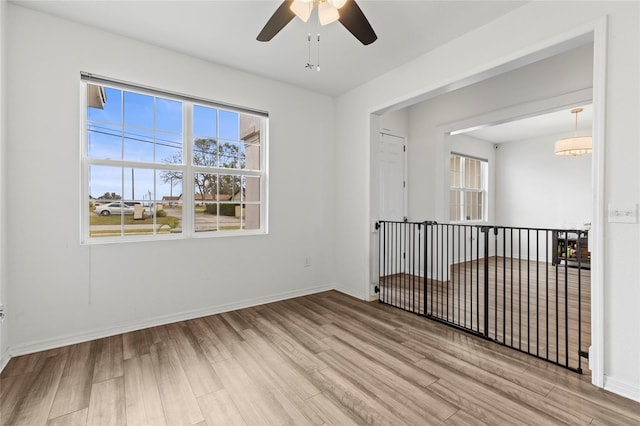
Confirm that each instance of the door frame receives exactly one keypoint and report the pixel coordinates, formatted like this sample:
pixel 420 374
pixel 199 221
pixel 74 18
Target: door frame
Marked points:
pixel 597 31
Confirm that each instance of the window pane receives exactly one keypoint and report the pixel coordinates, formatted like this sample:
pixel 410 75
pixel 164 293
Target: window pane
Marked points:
pixel 455 212
pixel 205 207
pixel 104 104
pixel 105 183
pixel 455 179
pixel 206 217
pixel 251 218
pixel 138 110
pixel 138 184
pixel 205 152
pixel 167 205
pixel 168 148
pixel 168 115
pixel 138 144
pixel 250 128
pixel 455 163
pixel 468 173
pixel 104 141
pixel 455 172
pixel 105 190
pixel 229 155
pixel 229 216
pixel 249 156
pixel 468 206
pixel 104 122
pixel 205 187
pixel 229 125
pixel 473 173
pixel 229 187
pixel 205 122
pixel 168 134
pixel 250 188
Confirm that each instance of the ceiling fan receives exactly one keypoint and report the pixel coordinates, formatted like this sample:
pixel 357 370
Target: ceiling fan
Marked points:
pixel 346 11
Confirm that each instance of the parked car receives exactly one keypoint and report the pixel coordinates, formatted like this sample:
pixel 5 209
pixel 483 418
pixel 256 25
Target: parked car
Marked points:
pixel 113 208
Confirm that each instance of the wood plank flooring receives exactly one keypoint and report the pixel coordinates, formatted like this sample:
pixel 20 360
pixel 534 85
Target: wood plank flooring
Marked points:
pixel 533 306
pixel 324 359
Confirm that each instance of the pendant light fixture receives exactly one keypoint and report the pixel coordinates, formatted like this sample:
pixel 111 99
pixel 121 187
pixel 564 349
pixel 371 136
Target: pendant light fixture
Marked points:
pixel 576 145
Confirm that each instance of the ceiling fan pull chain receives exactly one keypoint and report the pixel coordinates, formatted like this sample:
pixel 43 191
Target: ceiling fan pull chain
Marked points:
pixel 309 64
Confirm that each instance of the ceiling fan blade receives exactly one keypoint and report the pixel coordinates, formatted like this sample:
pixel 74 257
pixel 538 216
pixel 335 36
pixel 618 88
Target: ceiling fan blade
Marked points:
pixel 280 18
pixel 352 18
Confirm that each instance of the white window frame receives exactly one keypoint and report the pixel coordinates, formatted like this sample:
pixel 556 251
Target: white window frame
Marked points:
pixel 464 190
pixel 187 168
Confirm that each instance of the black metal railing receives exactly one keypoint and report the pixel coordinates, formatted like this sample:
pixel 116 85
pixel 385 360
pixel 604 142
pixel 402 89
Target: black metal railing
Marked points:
pixel 526 288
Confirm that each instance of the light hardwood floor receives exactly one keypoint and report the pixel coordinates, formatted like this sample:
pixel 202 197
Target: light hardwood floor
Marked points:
pixel 531 305
pixel 320 359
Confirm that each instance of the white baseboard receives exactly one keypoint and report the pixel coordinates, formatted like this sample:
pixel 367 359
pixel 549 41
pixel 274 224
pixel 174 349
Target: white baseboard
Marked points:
pixel 4 360
pixel 350 292
pixel 628 390
pixel 71 339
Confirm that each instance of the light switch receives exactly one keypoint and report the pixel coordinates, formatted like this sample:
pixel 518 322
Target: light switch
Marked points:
pixel 619 213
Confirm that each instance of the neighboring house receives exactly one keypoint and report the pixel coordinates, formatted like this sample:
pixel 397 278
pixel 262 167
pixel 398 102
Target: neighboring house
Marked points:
pixel 171 200
pixel 210 197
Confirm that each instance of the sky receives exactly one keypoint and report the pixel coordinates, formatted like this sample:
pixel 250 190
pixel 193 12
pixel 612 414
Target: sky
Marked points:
pixel 143 128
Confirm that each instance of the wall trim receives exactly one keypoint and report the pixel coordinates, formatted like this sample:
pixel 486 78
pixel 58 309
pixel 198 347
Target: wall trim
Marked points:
pixel 596 235
pixel 4 360
pixel 628 390
pixel 70 339
pixel 349 292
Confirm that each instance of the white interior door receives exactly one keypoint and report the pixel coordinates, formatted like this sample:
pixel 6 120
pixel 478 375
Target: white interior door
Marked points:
pixel 391 160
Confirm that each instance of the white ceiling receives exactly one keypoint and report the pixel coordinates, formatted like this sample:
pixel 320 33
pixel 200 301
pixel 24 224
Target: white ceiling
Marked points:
pixel 553 123
pixel 225 32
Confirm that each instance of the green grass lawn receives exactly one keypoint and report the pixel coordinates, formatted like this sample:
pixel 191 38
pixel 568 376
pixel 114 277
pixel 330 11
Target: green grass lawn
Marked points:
pixel 129 220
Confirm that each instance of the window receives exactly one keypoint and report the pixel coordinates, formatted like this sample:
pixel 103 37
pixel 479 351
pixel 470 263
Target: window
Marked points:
pixel 468 189
pixel 161 165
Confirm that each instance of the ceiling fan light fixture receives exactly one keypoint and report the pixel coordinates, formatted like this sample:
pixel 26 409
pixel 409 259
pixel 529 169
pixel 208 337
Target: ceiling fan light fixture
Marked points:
pixel 302 9
pixel 327 13
pixel 350 16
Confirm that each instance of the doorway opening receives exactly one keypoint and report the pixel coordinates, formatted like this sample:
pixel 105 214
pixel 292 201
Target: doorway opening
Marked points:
pixel 429 156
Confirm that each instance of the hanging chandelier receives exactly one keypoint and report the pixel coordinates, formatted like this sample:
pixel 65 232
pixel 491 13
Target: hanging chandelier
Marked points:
pixel 576 145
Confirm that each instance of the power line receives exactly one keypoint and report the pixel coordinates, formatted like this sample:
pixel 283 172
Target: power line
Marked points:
pixel 137 137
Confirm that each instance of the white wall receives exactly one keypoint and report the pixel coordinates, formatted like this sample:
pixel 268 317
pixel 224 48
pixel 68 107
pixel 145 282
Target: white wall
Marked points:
pixel 538 24
pixel 4 335
pixel 429 120
pixel 62 291
pixel 536 188
pixel 395 123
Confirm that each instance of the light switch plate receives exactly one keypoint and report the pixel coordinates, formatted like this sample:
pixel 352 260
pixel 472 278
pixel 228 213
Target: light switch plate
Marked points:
pixel 623 213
